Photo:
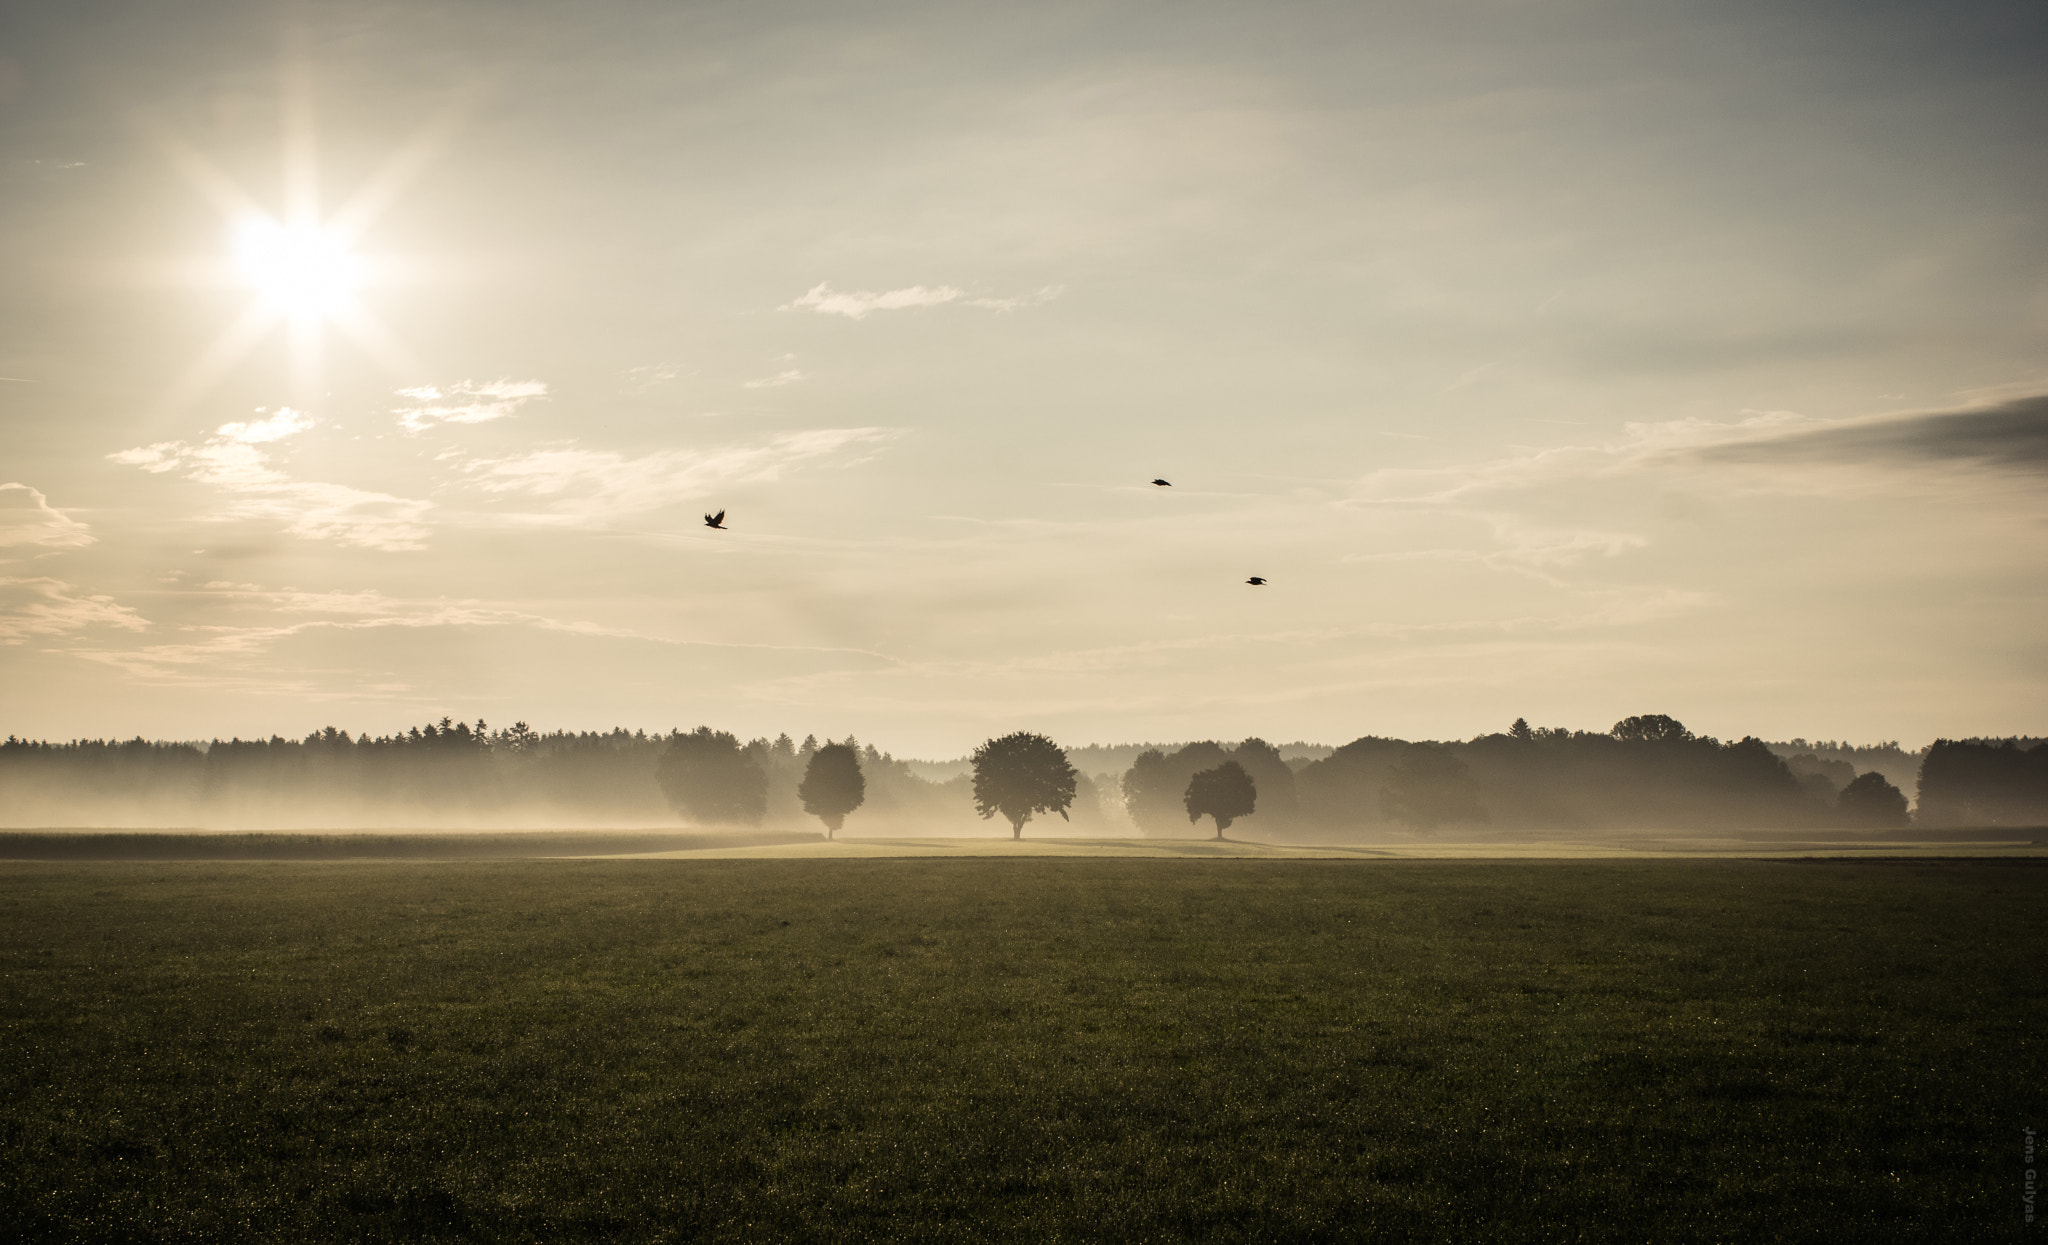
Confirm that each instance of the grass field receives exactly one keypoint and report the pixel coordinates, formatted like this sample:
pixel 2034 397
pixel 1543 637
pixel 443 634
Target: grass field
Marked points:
pixel 1031 1049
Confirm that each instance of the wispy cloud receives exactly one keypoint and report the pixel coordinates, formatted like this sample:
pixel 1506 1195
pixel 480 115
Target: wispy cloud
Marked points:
pixel 237 656
pixel 285 423
pixel 859 304
pixel 1045 294
pixel 642 379
pixel 200 661
pixel 789 377
pixel 28 518
pixel 579 483
pixel 42 606
pixel 234 461
pixel 1638 444
pixel 1519 545
pixel 1444 645
pixel 471 402
pixel 2011 435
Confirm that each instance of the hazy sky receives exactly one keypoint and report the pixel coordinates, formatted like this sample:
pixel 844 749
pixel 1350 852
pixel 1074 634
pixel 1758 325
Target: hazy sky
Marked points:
pixel 1564 360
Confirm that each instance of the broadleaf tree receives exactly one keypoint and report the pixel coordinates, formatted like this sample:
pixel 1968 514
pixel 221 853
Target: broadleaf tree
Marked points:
pixel 1021 774
pixel 1869 800
pixel 833 786
pixel 1225 793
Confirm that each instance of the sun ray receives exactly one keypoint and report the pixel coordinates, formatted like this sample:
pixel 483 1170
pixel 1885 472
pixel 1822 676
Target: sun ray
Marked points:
pixel 369 333
pixel 307 348
pixel 226 350
pixel 383 186
pixel 301 163
pixel 230 200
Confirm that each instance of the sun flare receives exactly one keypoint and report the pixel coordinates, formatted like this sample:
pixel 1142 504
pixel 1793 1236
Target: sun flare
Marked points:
pixel 297 260
pixel 299 270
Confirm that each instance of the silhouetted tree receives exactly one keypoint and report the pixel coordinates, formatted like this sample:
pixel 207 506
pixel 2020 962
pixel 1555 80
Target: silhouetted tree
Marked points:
pixel 1150 788
pixel 1981 782
pixel 1021 774
pixel 1156 782
pixel 1429 787
pixel 707 776
pixel 1225 793
pixel 1869 800
pixel 1651 728
pixel 1836 774
pixel 1900 768
pixel 1279 802
pixel 832 785
pixel 1520 730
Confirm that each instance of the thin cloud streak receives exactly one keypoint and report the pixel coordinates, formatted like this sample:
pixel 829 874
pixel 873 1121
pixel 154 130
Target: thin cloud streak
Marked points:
pixel 194 663
pixel 40 606
pixel 38 522
pixel 859 304
pixel 2011 436
pixel 1612 609
pixel 590 485
pixel 1640 443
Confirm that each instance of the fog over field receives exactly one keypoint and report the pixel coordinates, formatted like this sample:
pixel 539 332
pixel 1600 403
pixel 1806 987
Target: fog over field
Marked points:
pixel 1647 774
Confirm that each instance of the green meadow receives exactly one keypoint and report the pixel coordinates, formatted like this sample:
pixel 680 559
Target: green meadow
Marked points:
pixel 1036 1049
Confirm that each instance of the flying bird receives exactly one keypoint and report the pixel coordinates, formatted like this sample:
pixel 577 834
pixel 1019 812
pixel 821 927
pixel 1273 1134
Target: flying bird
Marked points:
pixel 1163 483
pixel 1257 581
pixel 715 520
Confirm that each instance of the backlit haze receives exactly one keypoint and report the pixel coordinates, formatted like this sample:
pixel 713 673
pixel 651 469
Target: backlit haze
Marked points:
pixel 366 364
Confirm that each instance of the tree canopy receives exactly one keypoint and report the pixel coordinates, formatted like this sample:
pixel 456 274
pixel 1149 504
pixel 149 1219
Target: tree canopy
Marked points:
pixel 1870 800
pixel 832 785
pixel 708 777
pixel 1225 793
pixel 1156 784
pixel 1019 775
pixel 1982 782
pixel 1651 728
pixel 1430 787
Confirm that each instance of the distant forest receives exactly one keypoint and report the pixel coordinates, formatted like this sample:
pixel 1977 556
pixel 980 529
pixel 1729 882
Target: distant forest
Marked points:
pixel 1647 773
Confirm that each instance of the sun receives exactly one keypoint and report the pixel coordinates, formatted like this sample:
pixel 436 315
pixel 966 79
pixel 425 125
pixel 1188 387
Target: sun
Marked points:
pixel 300 265
pixel 297 270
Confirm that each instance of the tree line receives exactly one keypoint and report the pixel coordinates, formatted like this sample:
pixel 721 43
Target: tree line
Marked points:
pixel 1646 772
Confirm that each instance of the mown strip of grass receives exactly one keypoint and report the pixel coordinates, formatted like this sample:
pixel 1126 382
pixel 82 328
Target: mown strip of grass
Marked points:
pixel 1042 1049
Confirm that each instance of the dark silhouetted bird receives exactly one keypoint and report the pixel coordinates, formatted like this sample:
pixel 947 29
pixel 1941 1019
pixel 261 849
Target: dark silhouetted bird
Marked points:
pixel 715 520
pixel 1163 483
pixel 1257 581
